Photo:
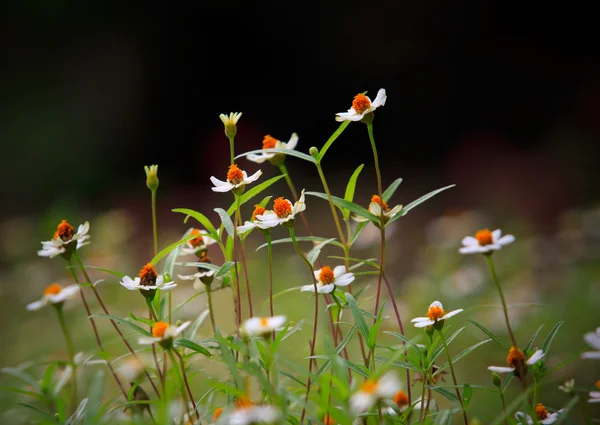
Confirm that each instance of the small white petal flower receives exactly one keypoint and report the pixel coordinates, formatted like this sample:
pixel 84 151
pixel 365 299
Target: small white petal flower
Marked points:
pixel 147 280
pixel 568 387
pixel 374 390
pixel 236 178
pixel 361 106
pixel 514 358
pixel 202 241
pixel 435 314
pixel 256 414
pixel 163 332
pixel 593 340
pixel 231 119
pixel 375 209
pixel 543 416
pixel 64 235
pixel 283 212
pixel 485 242
pixel 257 326
pixel 272 143
pixel 54 294
pixel 327 279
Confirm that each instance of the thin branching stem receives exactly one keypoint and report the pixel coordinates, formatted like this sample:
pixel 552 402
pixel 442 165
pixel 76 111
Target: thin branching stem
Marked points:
pixel 270 265
pixel 445 344
pixel 211 310
pixel 186 383
pixel 71 351
pixel 499 288
pixel 246 277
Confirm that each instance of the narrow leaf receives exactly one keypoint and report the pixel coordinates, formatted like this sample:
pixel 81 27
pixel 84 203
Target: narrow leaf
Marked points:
pixel 201 218
pixel 301 239
pixel 359 319
pixel 124 322
pixel 332 139
pixel 170 248
pixel 533 338
pixel 226 220
pixel 389 192
pixel 255 191
pixel 314 253
pixel 351 187
pixel 489 333
pixel 183 342
pixel 419 201
pixel 227 265
pixel 548 341
pixel 342 203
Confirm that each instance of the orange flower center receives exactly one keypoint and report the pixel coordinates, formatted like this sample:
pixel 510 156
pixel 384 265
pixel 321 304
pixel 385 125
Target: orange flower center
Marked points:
pixel 598 384
pixel 243 401
pixel 217 413
pixel 369 386
pixel 282 207
pixel 401 399
pixel 328 420
pixel 258 210
pixel 541 412
pixel 326 276
pixel 235 175
pixel 198 240
pixel 53 289
pixel 269 142
pixel 484 237
pixel 264 322
pixel 515 357
pixel 148 275
pixel 435 313
pixel 159 329
pixel 204 258
pixel 64 231
pixel 361 103
pixel 380 202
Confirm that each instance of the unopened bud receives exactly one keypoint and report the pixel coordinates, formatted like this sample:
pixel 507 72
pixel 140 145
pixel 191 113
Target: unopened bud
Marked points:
pixel 496 380
pixel 151 177
pixel 230 123
pixel 313 151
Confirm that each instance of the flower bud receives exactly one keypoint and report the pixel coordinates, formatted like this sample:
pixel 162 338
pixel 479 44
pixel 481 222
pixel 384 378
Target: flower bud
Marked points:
pixel 429 330
pixel 313 151
pixel 151 177
pixel 496 380
pixel 230 123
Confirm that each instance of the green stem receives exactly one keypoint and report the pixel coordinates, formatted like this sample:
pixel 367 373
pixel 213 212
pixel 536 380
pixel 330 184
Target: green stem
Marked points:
pixel 235 263
pixel 331 204
pixel 288 179
pixel 71 350
pixel 151 310
pixel 211 310
pixel 231 148
pixel 154 226
pixel 503 406
pixel 185 381
pixel 499 288
pixel 246 276
pixel 443 337
pixel 270 262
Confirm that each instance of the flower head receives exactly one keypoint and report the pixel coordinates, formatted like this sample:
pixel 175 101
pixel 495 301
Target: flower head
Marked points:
pixel 593 340
pixel 61 242
pixel 148 281
pixel 258 326
pixel 236 180
pixel 230 123
pixel 204 274
pixel 376 206
pixel 485 242
pixel 327 279
pixel 54 294
pixel 515 359
pixel 272 143
pixel 595 395
pixel 259 210
pixel 151 176
pixel 435 315
pixel 198 244
pixel 163 333
pixel 246 413
pixel 362 107
pixel 543 416
pixel 373 390
pixel 568 387
pixel 283 212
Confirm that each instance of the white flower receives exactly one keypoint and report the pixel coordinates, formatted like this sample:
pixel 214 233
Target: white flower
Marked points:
pixel 256 222
pixel 544 417
pixel 361 106
pixel 485 241
pixel 283 211
pixel 514 358
pixel 147 280
pixel 272 143
pixel 200 242
pixel 568 387
pixel 162 331
pixel 328 279
pixel 64 235
pixel 435 313
pixel 236 178
pixel 246 412
pixel 375 209
pixel 203 273
pixel 231 119
pixel 257 326
pixel 374 390
pixel 593 340
pixel 54 294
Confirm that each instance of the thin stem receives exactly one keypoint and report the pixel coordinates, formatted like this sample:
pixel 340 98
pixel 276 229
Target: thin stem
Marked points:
pixel 231 148
pixel 187 385
pixel 331 205
pixel 235 264
pixel 154 226
pixel 246 277
pixel 503 405
pixel 443 337
pixel 211 311
pixel 270 262
pixel 499 288
pixel 71 350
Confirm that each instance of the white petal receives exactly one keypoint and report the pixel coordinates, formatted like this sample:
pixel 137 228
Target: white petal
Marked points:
pixel 338 271
pixel 188 277
pixel 593 340
pixel 423 324
pixel 375 209
pixel 300 205
pixel 420 319
pixel 259 159
pixel 83 229
pixel 183 326
pixel 590 355
pixel 348 116
pixel 277 321
pixel 70 290
pixel 520 416
pixel 253 177
pixel 147 340
pixel 535 357
pixel 292 142
pixel 247 226
pixel 436 304
pixel 130 284
pixel 470 241
pixel 379 99
pixel 159 280
pixel 501 369
pixel 394 211
pixel 472 250
pixel 308 288
pixel 325 289
pixel 223 188
pixel 344 280
pixel 168 286
pixel 361 402
pixel 215 181
pixel 36 305
pixel 359 218
pixel 388 385
pixel 496 235
pixel 505 240
pixel 452 313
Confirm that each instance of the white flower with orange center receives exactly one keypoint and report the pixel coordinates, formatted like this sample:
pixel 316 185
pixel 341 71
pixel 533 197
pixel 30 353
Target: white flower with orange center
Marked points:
pixel 147 280
pixel 516 358
pixel 376 206
pixel 256 222
pixel 272 143
pixel 205 275
pixel 200 242
pixel 361 106
pixel 485 242
pixel 236 179
pixel 54 294
pixel 283 212
pixel 595 395
pixel 328 279
pixel 64 235
pixel 246 412
pixel 543 416
pixel 258 326
pixel 435 314
pixel 373 390
pixel 163 332
pixel 593 340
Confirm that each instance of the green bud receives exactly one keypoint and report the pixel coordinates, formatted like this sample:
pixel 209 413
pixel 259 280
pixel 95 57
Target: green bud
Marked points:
pixel 313 151
pixel 167 277
pixel 151 177
pixel 230 123
pixel 429 330
pixel 438 325
pixel 496 380
pixel 368 118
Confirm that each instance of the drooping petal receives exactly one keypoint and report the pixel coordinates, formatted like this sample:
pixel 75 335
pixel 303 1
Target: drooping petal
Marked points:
pixel 245 227
pixel 130 284
pixel 379 99
pixel 168 286
pixel 36 305
pixel 351 115
pixel 259 159
pixel 505 240
pixel 391 213
pixel 147 340
pixel 292 142
pixel 452 313
pixel 535 357
pixel 253 177
pixel 593 339
pixel 221 186
pixel 300 205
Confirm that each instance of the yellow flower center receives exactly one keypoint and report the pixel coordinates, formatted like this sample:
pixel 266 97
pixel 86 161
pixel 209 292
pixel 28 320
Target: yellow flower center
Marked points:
pixel 282 207
pixel 369 386
pixel 269 142
pixel 264 322
pixel 541 412
pixel 484 237
pixel 435 313
pixel 64 231
pixel 243 401
pixel 515 357
pixel 53 289
pixel 326 275
pixel 258 210
pixel 235 175
pixel 401 399
pixel 382 203
pixel 198 240
pixel 328 420
pixel 159 329
pixel 361 103
pixel 217 413
pixel 148 275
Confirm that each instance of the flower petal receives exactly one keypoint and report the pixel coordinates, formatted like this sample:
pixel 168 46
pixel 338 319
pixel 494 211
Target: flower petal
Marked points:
pixel 344 280
pixel 423 324
pixel 253 177
pixel 470 241
pixel 452 313
pixel 292 142
pixel 259 159
pixel 535 357
pixel 501 369
pixel 593 339
pixel 505 240
pixel 436 304
pixel 36 305
pixel 338 271
pixel 590 355
pixel 130 284
pixel 379 99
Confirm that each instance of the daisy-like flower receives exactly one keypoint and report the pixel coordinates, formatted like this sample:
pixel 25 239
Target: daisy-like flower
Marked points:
pixel 435 315
pixel 568 387
pixel 543 416
pixel 197 244
pixel 61 242
pixel 372 391
pixel 54 294
pixel 148 281
pixel 328 279
pixel 595 395
pixel 362 107
pixel 284 212
pixel 205 275
pixel 258 326
pixel 485 242
pixel 230 122
pixel 163 334
pixel 272 143
pixel 236 180
pixel 246 413
pixel 593 340
pixel 256 222
pixel 515 358
pixel 375 207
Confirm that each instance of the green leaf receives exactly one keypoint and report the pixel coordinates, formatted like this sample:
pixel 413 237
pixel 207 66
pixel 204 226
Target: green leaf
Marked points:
pixel 351 187
pixel 548 341
pixel 46 415
pixel 314 253
pixel 359 319
pixel 227 265
pixel 342 203
pixel 533 338
pixel 289 152
pixel 183 342
pixel 124 322
pixel 143 320
pixel 332 139
pixel 357 230
pixel 208 266
pixel 489 333
pixel 369 261
pixel 443 391
pixel 300 239
pixel 22 375
pixel 449 340
pixel 389 192
pixel 462 354
pixel 47 378
pixel 419 201
pixel 226 220
pixel 170 248
pixel 466 395
pixel 228 359
pixel 22 391
pixel 201 218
